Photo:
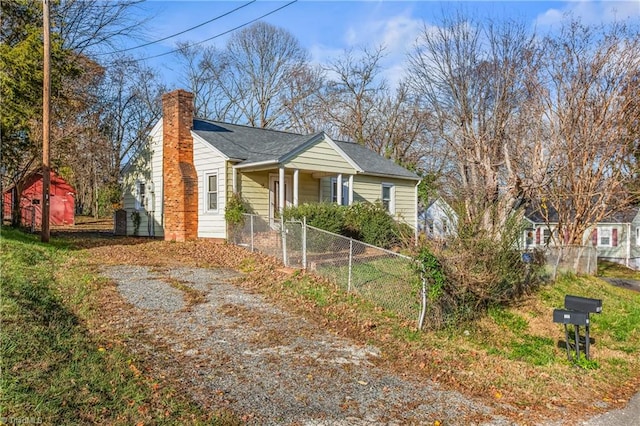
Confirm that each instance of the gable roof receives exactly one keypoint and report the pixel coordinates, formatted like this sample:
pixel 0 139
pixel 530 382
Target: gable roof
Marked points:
pixel 248 145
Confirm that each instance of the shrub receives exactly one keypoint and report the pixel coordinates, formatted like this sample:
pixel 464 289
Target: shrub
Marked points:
pixel 327 216
pixel 479 272
pixel 234 214
pixel 372 224
pixel 365 222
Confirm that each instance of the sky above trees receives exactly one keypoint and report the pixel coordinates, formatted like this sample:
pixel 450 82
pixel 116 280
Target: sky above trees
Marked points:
pixel 327 28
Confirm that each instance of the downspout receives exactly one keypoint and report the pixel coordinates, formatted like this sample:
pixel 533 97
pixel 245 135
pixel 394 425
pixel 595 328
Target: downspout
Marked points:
pixel 415 216
pixel 281 193
pixel 296 178
pixel 628 257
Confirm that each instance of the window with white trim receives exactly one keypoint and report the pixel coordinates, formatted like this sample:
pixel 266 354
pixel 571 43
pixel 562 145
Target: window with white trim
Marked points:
pixel 211 192
pixel 141 189
pixel 605 237
pixel 387 198
pixel 638 235
pixel 345 191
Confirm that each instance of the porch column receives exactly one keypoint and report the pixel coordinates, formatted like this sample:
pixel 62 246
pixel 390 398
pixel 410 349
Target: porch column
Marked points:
pixel 295 187
pixel 339 189
pixel 350 189
pixel 281 184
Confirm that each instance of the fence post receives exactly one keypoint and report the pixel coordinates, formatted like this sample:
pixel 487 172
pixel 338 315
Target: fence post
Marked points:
pixel 304 242
pixel 423 309
pixel 284 242
pixel 350 264
pixel 251 227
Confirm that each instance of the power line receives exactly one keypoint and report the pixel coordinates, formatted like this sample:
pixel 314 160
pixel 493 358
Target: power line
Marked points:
pixel 221 34
pixel 180 33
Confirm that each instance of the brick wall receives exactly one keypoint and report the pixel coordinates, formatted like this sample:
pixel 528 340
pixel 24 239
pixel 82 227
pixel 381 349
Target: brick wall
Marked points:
pixel 180 180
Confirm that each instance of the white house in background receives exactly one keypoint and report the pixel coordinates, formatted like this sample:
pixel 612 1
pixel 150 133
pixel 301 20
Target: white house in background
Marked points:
pixel 616 237
pixel 177 185
pixel 437 219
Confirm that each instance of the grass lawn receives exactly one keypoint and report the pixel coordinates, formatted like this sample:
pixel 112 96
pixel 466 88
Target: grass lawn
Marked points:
pixel 54 370
pixel 58 367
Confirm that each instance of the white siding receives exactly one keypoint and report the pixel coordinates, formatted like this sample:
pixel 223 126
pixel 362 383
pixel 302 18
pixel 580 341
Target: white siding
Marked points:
pixel 145 167
pixel 211 224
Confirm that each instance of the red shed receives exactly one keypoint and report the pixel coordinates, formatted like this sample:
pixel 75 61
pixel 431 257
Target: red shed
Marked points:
pixel 62 201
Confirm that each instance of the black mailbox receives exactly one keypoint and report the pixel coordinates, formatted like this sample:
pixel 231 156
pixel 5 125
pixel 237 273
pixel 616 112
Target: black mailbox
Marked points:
pixel 583 304
pixel 564 316
pixel 576 312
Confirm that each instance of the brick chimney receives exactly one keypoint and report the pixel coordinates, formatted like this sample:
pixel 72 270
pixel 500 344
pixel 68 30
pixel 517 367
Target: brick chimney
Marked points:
pixel 179 179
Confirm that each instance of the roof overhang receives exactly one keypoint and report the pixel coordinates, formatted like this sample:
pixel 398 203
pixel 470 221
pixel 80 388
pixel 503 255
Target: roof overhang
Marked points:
pixel 258 165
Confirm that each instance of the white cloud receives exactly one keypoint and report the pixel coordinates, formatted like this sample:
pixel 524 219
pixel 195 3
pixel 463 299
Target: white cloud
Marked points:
pixel 590 12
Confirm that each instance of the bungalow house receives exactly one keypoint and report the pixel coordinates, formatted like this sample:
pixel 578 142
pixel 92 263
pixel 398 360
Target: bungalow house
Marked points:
pixel 616 237
pixel 27 196
pixel 176 186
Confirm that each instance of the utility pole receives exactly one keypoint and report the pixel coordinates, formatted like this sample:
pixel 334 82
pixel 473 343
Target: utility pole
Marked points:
pixel 46 123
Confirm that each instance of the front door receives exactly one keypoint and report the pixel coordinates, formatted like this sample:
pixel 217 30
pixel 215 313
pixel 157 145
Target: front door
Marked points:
pixel 274 191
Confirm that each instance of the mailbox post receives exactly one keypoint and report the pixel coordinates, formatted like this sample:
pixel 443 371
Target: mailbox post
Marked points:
pixel 584 304
pixel 576 312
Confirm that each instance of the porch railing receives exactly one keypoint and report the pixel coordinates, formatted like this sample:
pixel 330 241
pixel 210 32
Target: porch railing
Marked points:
pixel 386 278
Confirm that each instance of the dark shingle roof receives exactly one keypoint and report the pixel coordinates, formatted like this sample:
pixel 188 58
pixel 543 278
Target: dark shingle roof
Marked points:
pixel 372 163
pixel 248 144
pixel 624 216
pixel 255 145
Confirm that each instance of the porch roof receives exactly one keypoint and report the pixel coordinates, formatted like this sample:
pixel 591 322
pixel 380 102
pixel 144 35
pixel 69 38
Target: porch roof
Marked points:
pixel 250 145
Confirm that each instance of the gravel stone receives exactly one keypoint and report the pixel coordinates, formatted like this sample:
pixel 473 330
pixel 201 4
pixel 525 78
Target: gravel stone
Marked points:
pixel 239 352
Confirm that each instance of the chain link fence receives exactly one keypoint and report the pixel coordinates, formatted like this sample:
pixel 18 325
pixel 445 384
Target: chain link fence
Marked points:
pixel 383 277
pixel 581 260
pixel 386 278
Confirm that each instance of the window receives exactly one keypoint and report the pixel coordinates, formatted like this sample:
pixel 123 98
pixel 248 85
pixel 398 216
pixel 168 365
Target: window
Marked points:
pixel 638 236
pixel 604 237
pixel 140 195
pixel 212 192
pixel 345 191
pixel 387 198
pixel 529 237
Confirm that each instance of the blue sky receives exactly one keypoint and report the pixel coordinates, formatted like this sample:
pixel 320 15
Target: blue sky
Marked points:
pixel 327 28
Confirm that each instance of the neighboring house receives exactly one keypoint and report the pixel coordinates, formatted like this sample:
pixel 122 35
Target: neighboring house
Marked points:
pixel 616 237
pixel 180 181
pixel 61 201
pixel 437 219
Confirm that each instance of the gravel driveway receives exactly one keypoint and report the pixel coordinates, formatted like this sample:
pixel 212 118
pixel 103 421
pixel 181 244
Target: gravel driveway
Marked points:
pixel 235 351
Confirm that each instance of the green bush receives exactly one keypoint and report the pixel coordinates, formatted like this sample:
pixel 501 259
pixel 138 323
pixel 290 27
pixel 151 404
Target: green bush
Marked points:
pixel 327 216
pixel 365 222
pixel 109 198
pixel 372 224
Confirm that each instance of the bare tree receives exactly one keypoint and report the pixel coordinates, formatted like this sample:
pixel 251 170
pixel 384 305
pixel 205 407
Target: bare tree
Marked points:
pixel 589 96
pixel 475 79
pixel 131 105
pixel 85 25
pixel 260 60
pixel 356 104
pixel 301 99
pixel 203 69
pixel 353 93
